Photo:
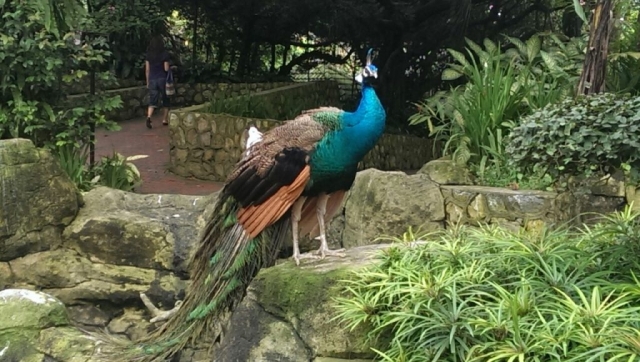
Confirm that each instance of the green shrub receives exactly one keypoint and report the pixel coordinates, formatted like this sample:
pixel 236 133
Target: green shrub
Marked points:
pixel 32 101
pixel 276 106
pixel 579 136
pixel 117 172
pixel 73 161
pixel 488 294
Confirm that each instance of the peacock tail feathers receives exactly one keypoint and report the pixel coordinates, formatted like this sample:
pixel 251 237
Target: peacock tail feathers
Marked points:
pixel 225 262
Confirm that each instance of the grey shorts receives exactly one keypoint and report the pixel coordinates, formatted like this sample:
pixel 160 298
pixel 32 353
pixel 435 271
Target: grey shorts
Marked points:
pixel 157 94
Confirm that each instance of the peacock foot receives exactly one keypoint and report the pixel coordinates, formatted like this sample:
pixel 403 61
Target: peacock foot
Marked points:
pixel 298 257
pixel 324 252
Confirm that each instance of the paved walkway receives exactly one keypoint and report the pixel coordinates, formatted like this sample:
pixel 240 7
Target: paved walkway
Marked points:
pixel 134 138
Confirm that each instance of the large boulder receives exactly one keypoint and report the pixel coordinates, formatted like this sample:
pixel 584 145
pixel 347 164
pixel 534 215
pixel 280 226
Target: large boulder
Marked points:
pixel 154 231
pixel 288 313
pixel 388 203
pixel 77 280
pixel 34 327
pixel 38 199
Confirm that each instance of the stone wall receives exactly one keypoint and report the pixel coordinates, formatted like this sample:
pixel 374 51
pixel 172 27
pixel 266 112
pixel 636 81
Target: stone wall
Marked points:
pixel 442 194
pixel 207 146
pixel 136 98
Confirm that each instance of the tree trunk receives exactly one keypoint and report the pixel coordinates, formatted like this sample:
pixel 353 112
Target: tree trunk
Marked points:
pixel 272 69
pixel 592 80
pixel 195 36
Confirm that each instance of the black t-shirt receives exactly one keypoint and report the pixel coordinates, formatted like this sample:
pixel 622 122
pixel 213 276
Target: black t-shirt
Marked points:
pixel 156 66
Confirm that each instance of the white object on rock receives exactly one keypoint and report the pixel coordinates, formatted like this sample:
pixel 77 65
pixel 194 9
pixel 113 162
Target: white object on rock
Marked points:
pixel 31 295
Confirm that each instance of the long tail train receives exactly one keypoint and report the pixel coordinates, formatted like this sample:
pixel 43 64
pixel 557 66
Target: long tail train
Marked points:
pixel 226 261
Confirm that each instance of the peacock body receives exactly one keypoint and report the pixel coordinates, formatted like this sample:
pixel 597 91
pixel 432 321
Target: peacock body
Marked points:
pixel 291 178
pixel 334 161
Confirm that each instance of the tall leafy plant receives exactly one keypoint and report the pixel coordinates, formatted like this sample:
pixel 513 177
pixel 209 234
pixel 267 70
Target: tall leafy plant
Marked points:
pixel 33 103
pixel 473 119
pixel 470 118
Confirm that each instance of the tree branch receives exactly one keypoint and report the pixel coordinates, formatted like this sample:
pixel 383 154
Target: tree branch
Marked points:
pixel 315 54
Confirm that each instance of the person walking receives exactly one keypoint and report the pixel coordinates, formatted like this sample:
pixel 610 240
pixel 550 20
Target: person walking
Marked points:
pixel 156 69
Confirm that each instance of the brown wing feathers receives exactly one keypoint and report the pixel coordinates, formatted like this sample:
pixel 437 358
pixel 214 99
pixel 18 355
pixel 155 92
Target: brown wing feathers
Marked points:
pixel 268 182
pixel 256 218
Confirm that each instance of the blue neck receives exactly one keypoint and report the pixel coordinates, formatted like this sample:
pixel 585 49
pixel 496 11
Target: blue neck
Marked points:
pixel 365 126
pixel 369 111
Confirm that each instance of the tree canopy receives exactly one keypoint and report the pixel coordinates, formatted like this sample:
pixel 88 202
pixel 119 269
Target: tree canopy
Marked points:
pixel 240 40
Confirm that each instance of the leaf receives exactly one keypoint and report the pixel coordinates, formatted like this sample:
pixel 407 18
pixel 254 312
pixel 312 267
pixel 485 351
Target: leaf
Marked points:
pixel 450 74
pixel 579 10
pixel 522 47
pixel 533 48
pixel 459 57
pixel 490 45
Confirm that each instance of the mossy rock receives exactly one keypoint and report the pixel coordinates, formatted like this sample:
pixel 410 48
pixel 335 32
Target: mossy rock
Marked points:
pixel 295 306
pixel 23 313
pixel 38 200
pixel 447 172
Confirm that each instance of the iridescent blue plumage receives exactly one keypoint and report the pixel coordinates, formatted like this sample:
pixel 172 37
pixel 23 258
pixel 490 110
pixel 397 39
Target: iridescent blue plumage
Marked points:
pixel 335 159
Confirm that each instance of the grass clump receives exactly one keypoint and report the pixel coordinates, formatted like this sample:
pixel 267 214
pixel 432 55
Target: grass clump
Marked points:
pixel 489 294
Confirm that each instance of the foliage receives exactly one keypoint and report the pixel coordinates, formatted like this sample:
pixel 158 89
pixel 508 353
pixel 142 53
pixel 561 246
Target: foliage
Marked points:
pixel 489 294
pixel 117 172
pixel 473 119
pixel 32 101
pixel 579 136
pixel 252 106
pixel 623 69
pixel 58 16
pixel 73 161
pixel 509 177
pixel 127 26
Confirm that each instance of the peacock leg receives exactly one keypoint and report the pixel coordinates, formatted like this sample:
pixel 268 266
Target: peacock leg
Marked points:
pixel 296 214
pixel 324 247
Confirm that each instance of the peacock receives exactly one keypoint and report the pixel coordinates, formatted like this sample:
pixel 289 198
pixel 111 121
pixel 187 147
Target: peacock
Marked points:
pixel 291 178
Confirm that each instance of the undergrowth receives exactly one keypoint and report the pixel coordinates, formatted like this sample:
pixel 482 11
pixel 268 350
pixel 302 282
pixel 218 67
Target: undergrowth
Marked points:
pixel 489 294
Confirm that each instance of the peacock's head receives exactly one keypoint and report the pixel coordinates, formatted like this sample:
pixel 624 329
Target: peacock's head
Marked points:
pixel 369 72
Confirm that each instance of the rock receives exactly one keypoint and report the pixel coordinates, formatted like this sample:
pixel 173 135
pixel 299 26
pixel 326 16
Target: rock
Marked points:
pixel 6 276
pixel 498 203
pixel 32 310
pixel 447 172
pixel 66 344
pixel 477 209
pixel 610 185
pixel 34 327
pixel 88 315
pixel 592 207
pixel 287 313
pixel 260 336
pixel 38 199
pixel 145 231
pixel 388 203
pixel 133 323
pixel 75 279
